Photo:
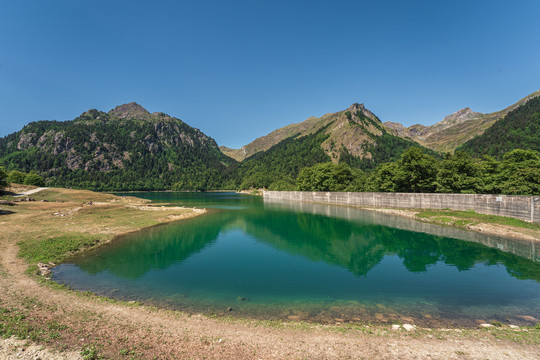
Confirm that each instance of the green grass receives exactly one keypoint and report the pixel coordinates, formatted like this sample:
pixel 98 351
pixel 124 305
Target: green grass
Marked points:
pixel 55 249
pixel 470 217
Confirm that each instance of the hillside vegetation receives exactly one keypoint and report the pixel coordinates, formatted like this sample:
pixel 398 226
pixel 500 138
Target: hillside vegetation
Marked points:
pixel 416 171
pixel 519 129
pixel 125 149
pixel 355 137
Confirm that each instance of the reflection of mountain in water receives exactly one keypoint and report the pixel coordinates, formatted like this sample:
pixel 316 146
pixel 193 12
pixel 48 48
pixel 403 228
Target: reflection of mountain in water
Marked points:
pixel 155 248
pixel 357 242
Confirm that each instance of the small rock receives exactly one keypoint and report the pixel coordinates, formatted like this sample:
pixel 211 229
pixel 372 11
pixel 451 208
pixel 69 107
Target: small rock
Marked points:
pixel 229 309
pixel 409 327
pixel 486 325
pixel 89 203
pixel 395 327
pixel 43 269
pixel 513 326
pixel 44 200
pixel 241 298
pixel 428 316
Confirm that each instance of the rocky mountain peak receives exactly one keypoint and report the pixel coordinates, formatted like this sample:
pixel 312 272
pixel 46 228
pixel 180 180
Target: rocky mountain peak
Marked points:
pixel 130 110
pixel 356 106
pixel 360 108
pixel 460 116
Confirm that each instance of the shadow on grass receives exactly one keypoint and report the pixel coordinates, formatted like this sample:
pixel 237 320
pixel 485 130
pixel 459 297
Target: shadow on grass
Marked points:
pixel 6 212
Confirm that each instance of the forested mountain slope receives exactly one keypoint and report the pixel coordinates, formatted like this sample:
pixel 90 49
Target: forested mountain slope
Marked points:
pixel 127 148
pixel 355 137
pixel 519 129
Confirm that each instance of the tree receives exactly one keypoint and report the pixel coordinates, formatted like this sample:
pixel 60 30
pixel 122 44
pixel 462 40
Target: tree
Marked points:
pixel 489 174
pixel 258 180
pixel 459 173
pixel 16 177
pixel 3 176
pixel 33 178
pixel 384 179
pixel 325 177
pixel 520 173
pixel 417 171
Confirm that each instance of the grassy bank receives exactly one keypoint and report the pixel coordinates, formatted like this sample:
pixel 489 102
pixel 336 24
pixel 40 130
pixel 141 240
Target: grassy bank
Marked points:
pixel 62 222
pixel 470 220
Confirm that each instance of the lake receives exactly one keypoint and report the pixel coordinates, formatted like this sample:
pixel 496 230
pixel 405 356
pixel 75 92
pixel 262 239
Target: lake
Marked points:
pixel 282 260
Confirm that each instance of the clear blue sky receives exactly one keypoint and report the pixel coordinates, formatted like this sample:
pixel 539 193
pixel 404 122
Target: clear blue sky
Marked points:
pixel 240 69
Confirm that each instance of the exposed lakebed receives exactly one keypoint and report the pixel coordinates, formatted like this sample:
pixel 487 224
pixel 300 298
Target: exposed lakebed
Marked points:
pixel 283 260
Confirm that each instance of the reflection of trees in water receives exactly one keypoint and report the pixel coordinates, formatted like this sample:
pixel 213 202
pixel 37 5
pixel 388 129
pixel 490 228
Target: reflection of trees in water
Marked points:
pixel 355 246
pixel 318 238
pixel 359 247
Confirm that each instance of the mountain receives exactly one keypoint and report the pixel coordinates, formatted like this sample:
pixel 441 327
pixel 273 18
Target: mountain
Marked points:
pixel 355 131
pixel 455 129
pixel 127 148
pixel 354 136
pixel 519 129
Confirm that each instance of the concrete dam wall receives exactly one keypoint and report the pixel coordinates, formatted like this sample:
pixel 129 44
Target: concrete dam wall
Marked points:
pixel 520 207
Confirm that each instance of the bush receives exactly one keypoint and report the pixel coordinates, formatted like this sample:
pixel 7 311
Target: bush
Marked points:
pixel 32 178
pixel 16 177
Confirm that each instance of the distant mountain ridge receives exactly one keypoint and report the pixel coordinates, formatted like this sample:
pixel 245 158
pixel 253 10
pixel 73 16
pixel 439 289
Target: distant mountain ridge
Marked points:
pixel 126 148
pixel 444 136
pixel 455 129
pixel 351 130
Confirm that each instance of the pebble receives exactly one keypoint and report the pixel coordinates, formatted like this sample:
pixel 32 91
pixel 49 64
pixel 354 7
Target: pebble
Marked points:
pixel 395 327
pixel 486 325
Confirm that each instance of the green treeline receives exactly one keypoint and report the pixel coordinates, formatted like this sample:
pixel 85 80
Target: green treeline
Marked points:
pixel 517 174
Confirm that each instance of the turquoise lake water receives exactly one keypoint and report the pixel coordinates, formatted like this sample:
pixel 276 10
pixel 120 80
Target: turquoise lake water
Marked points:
pixel 283 260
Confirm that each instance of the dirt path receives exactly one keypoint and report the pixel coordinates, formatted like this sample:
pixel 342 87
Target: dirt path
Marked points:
pixel 72 322
pixel 31 191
